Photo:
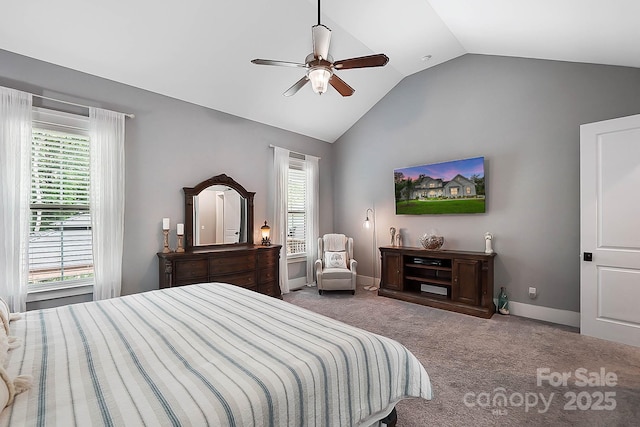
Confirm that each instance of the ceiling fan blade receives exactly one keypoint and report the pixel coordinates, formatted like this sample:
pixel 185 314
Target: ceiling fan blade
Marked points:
pixel 378 60
pixel 278 63
pixel 343 88
pixel 321 39
pixel 296 87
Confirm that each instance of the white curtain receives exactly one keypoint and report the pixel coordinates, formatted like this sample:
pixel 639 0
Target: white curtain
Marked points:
pixel 279 229
pixel 313 206
pixel 107 200
pixel 15 188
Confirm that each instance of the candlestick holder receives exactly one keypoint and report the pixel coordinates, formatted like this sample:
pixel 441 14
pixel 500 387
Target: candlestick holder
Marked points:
pixel 180 248
pixel 166 249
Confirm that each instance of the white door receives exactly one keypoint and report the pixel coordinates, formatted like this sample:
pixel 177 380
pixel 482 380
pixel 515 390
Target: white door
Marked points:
pixel 231 216
pixel 610 230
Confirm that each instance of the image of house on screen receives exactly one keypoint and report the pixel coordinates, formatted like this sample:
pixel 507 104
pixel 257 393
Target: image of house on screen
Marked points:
pixel 441 188
pixel 428 188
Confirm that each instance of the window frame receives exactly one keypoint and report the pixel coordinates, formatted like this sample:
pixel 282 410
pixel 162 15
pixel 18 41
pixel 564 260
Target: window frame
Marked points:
pixel 51 120
pixel 298 165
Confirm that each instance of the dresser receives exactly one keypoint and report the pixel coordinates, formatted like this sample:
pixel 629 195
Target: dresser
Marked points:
pixel 250 266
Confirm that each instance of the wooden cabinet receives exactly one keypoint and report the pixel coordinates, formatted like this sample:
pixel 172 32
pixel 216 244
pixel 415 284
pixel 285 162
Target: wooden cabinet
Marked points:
pixel 466 285
pixel 392 274
pixel 252 266
pixel 451 280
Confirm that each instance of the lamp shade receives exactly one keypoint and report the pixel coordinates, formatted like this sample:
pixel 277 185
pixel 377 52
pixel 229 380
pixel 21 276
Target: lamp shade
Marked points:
pixel 367 223
pixel 319 77
pixel 265 231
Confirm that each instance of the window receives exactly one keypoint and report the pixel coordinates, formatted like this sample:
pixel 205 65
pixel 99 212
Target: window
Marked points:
pixel 60 249
pixel 296 210
pixel 454 191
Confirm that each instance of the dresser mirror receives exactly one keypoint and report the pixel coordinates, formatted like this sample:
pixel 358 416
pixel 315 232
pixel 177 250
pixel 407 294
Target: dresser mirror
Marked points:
pixel 217 212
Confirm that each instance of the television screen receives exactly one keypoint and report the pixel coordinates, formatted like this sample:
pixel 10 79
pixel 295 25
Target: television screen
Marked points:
pixel 455 187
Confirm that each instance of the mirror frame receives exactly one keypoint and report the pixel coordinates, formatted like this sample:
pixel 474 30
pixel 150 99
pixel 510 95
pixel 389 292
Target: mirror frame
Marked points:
pixel 190 192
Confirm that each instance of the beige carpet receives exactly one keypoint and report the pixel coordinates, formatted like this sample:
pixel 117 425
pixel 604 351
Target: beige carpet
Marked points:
pixel 472 362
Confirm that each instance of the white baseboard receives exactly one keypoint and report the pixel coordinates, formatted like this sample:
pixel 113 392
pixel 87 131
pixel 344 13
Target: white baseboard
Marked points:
pixel 547 314
pixel 297 283
pixel 367 280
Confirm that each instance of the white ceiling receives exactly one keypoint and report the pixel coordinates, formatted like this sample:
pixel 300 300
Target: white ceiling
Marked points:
pixel 199 51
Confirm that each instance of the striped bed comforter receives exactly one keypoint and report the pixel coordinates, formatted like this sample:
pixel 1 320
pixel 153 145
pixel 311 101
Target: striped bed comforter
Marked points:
pixel 207 354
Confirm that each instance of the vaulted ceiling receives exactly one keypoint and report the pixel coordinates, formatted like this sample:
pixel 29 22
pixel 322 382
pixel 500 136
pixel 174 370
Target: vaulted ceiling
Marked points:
pixel 199 51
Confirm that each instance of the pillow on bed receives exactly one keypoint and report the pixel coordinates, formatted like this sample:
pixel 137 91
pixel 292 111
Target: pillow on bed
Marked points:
pixel 5 315
pixel 335 259
pixel 8 387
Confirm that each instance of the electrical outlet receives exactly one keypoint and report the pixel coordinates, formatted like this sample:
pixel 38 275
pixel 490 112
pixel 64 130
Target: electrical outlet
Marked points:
pixel 533 292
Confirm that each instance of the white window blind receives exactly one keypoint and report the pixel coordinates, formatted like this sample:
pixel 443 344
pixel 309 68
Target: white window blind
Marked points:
pixel 297 215
pixel 60 224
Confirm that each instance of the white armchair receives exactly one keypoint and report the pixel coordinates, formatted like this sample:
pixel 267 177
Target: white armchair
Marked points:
pixel 336 268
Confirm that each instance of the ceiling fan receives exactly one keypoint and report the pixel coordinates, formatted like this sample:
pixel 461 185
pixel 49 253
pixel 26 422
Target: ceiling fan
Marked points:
pixel 321 67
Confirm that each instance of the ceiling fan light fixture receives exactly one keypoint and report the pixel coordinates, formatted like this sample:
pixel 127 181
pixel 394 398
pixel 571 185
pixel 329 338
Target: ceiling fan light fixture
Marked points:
pixel 319 77
pixel 320 65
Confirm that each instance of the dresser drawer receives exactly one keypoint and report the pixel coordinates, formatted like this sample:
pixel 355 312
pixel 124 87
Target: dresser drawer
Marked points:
pixel 267 258
pixel 267 275
pixel 188 270
pixel 270 288
pixel 246 280
pixel 232 264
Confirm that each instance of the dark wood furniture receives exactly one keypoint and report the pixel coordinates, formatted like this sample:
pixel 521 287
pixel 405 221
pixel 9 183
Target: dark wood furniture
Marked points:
pixel 242 264
pixel 249 266
pixel 451 280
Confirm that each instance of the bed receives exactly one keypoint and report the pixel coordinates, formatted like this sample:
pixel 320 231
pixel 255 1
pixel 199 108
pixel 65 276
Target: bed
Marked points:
pixel 207 354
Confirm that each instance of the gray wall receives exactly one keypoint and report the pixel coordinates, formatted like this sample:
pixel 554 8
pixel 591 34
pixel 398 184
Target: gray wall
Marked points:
pixel 169 145
pixel 523 116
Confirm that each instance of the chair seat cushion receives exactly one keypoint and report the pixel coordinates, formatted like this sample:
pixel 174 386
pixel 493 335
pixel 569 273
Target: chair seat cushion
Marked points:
pixel 336 273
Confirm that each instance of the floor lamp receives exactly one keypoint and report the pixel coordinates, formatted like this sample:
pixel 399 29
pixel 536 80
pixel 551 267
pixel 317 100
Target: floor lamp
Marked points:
pixel 368 225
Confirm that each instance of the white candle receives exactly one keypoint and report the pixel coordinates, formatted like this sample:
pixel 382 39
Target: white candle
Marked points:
pixel 180 229
pixel 165 224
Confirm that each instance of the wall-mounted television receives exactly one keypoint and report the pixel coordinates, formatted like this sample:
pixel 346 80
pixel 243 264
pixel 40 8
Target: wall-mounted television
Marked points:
pixel 455 187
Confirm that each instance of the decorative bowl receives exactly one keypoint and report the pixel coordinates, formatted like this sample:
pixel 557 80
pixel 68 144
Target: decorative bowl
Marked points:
pixel 431 242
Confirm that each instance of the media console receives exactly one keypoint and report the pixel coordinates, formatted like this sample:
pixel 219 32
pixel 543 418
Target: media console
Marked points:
pixel 451 280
